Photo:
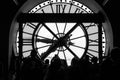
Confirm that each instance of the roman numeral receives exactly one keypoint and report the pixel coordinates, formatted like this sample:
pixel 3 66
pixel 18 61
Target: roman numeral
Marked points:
pixel 91 25
pixel 27 33
pixel 90 40
pixel 61 0
pixel 42 10
pixel 96 41
pixel 31 25
pixel 90 55
pixel 70 8
pixel 93 33
pixel 78 10
pixel 27 42
pixel 93 50
pixel 52 8
pixel 27 51
pixel 60 8
pixel 93 44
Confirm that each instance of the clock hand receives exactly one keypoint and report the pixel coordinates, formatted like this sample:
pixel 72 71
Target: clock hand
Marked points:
pixel 52 48
pixel 70 43
pixel 55 45
pixel 71 51
pixel 46 40
pixel 71 30
pixel 50 31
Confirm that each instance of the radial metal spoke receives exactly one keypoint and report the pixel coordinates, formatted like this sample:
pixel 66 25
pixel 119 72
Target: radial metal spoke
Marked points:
pixel 43 46
pixel 78 37
pixel 64 54
pixel 58 51
pixel 65 27
pixel 57 28
pixel 84 48
pixel 77 46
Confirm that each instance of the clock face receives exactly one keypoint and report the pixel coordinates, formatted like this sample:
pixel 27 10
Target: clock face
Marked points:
pixel 66 43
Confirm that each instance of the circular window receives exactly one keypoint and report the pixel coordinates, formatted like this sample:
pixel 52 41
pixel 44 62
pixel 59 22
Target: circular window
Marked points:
pixel 42 37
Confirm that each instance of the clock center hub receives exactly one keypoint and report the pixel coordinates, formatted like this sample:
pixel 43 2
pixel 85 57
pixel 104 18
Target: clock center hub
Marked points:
pixel 62 41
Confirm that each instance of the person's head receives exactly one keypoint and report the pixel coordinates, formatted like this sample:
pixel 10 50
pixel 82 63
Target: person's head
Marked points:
pixel 47 61
pixel 56 62
pixel 74 61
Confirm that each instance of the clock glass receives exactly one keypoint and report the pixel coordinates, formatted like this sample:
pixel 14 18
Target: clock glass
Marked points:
pixel 43 36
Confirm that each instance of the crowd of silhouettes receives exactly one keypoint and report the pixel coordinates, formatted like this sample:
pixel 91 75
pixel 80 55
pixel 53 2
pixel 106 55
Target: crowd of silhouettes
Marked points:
pixel 80 69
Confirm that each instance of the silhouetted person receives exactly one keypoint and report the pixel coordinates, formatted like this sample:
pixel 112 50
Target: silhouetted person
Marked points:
pixel 47 61
pixel 64 63
pixel 31 69
pixel 86 67
pixel 45 67
pixel 76 70
pixel 53 72
pixel 64 69
pixel 95 75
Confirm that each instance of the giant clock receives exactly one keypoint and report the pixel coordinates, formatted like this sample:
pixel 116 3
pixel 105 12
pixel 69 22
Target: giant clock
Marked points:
pixel 41 37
